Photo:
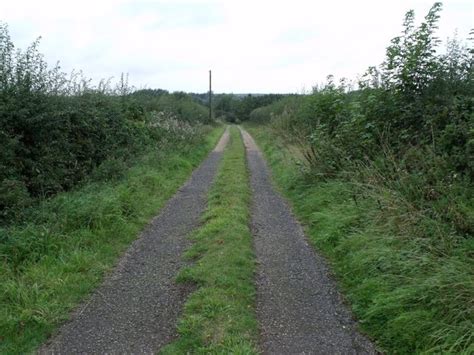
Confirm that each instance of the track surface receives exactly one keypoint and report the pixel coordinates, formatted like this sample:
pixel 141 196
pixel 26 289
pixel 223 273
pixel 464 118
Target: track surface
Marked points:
pixel 136 308
pixel 298 307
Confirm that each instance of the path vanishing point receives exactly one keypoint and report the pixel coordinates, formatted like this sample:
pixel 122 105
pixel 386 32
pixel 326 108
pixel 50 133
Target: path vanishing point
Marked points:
pixel 135 310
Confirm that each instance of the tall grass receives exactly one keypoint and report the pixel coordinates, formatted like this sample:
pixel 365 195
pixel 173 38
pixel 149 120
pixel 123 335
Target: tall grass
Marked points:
pixel 383 177
pixel 406 132
pixel 83 167
pixel 408 279
pixel 68 242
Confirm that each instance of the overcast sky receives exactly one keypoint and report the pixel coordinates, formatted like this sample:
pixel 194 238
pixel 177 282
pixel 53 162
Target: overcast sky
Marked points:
pixel 251 46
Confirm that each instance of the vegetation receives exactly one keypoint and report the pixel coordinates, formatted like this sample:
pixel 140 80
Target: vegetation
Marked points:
pixel 55 129
pixel 219 317
pixel 237 108
pixel 82 170
pixel 384 185
pixel 70 241
pixel 381 175
pixel 409 294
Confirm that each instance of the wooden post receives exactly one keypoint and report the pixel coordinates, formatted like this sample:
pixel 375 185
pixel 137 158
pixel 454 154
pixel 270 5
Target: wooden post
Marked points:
pixel 210 96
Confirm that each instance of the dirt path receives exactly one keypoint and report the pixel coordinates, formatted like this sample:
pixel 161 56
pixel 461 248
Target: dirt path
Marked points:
pixel 298 306
pixel 136 308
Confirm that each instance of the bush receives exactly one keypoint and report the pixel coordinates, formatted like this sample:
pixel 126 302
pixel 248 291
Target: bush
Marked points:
pixel 14 197
pixel 402 147
pixel 55 129
pixel 109 169
pixel 409 123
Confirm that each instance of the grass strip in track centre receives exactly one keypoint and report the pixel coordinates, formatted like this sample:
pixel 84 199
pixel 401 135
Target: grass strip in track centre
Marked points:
pixel 50 264
pixel 411 295
pixel 220 317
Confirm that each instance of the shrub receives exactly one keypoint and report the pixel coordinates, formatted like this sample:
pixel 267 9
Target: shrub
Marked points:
pixel 55 129
pixel 409 123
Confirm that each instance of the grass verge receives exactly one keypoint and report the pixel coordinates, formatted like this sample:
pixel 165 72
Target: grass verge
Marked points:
pixel 50 263
pixel 220 317
pixel 410 294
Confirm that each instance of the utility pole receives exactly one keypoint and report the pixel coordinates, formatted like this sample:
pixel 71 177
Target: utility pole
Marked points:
pixel 210 95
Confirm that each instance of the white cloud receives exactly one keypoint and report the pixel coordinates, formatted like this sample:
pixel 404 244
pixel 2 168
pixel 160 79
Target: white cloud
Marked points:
pixel 252 46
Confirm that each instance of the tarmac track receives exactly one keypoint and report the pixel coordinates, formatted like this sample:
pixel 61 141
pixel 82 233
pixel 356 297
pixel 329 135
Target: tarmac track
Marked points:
pixel 299 308
pixel 136 308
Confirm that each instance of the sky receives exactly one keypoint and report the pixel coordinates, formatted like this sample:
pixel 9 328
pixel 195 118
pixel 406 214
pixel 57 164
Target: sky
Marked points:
pixel 251 46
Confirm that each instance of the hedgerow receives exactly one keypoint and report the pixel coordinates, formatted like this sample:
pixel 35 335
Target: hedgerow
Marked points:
pixel 56 129
pixel 408 125
pixel 385 187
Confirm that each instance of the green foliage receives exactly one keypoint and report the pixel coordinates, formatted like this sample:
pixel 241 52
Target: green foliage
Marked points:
pixel 219 317
pixel 82 169
pixel 235 108
pixel 411 58
pixel 108 170
pixel 55 130
pixel 70 241
pixel 410 124
pixel 14 194
pixel 184 107
pixel 395 160
pixel 408 279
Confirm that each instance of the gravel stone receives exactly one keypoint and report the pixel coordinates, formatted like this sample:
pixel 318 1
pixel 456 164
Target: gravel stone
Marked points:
pixel 299 308
pixel 136 308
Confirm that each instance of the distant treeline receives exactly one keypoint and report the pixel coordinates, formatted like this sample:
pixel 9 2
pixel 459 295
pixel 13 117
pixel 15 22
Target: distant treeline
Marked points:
pixel 237 108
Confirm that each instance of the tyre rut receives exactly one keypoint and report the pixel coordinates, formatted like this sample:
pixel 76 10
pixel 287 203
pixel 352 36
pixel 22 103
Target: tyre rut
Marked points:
pixel 298 306
pixel 136 308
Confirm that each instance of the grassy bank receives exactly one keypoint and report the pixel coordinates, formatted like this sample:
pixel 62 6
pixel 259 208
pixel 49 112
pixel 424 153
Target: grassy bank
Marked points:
pixel 412 294
pixel 219 317
pixel 49 263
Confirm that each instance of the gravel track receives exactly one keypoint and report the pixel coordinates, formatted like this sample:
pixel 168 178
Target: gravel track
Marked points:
pixel 298 306
pixel 136 308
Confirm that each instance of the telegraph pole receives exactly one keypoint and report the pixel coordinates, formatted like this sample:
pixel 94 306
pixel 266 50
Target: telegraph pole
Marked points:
pixel 210 95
